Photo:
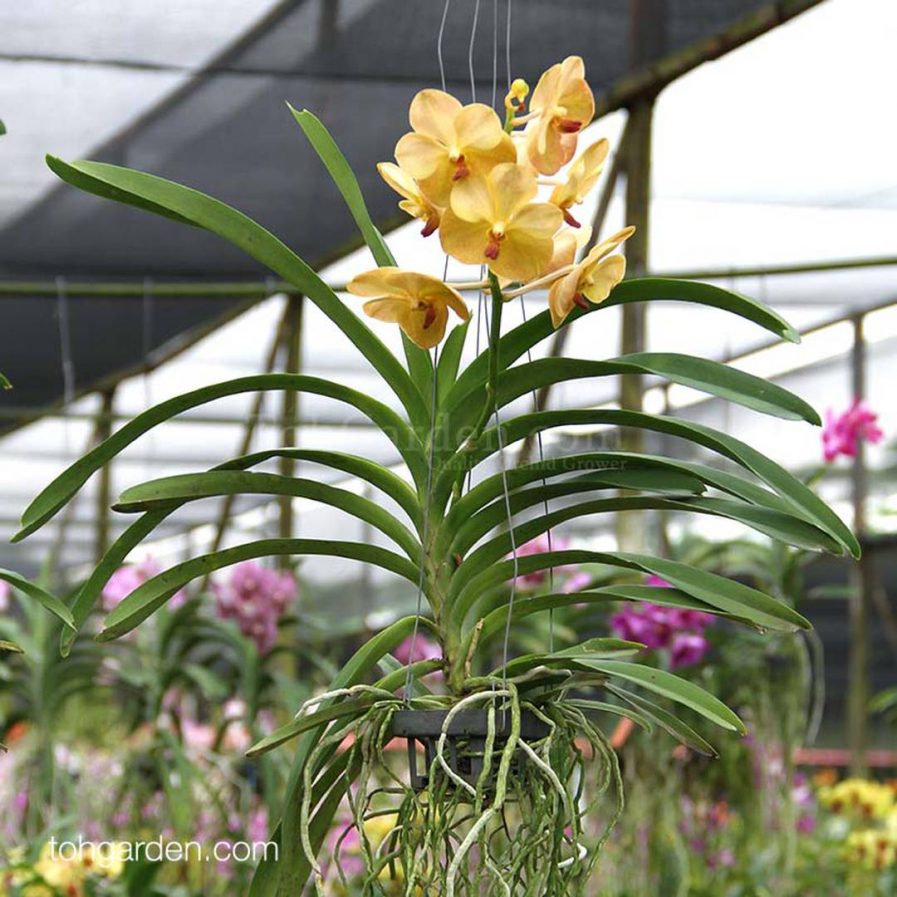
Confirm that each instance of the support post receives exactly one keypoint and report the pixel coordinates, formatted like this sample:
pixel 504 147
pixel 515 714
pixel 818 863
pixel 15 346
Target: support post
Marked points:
pixel 292 365
pixel 104 488
pixel 862 584
pixel 630 526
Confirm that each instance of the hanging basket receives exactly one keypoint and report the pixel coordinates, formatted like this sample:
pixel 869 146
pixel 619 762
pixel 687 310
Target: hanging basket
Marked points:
pixel 465 740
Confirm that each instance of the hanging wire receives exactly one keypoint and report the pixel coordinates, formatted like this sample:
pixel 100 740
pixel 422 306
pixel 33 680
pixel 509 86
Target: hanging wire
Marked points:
pixel 439 38
pixel 65 351
pixel 470 48
pixel 425 528
pixel 508 42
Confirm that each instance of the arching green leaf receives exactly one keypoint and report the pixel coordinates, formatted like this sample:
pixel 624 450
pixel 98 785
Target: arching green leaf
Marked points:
pixel 151 595
pixel 184 204
pixel 801 499
pixel 419 362
pixel 673 687
pixel 666 720
pixel 54 496
pixel 50 602
pixel 159 494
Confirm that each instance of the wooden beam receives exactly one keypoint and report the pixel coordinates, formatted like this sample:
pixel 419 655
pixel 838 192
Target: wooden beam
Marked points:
pixel 862 582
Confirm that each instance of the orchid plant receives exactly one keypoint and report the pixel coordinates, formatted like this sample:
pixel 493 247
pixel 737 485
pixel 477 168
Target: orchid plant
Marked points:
pixel 500 192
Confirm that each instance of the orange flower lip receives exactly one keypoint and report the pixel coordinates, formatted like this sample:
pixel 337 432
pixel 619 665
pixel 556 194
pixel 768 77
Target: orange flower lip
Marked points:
pixel 570 219
pixel 461 170
pixel 569 125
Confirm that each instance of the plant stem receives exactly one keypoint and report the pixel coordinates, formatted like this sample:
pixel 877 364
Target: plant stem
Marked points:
pixel 456 655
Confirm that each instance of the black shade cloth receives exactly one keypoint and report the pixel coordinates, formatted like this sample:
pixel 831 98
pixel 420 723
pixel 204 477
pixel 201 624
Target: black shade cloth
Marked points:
pixel 357 64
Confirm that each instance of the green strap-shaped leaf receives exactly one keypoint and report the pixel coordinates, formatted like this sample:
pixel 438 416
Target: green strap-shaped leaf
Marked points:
pixel 726 594
pixel 185 204
pixel 667 721
pixel 785 527
pixel 377 475
pixel 89 593
pixel 158 494
pixel 591 706
pixel 673 687
pixel 802 500
pixel 469 532
pixel 54 496
pixel 419 362
pixel 595 649
pixel 496 619
pixel 152 594
pixel 516 342
pixel 50 602
pixel 710 377
pixel 4 383
pixel 450 360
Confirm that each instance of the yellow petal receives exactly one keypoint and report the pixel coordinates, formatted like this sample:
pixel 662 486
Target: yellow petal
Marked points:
pixel 420 156
pixel 513 186
pixel 473 200
pixel 526 251
pixel 378 282
pixel 561 295
pixel 390 310
pixel 603 277
pixel 432 113
pixel 567 243
pixel 399 179
pixel 609 245
pixel 464 240
pixel 478 127
pixel 541 219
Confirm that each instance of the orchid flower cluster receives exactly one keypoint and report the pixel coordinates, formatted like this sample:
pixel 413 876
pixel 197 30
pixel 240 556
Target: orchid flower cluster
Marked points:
pixel 256 597
pixel 843 432
pixel 476 181
pixel 677 631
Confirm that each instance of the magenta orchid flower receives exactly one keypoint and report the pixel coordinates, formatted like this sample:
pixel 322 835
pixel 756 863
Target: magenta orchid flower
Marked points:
pixel 843 432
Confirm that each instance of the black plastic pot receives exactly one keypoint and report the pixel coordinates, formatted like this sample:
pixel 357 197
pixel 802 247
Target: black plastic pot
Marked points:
pixel 465 739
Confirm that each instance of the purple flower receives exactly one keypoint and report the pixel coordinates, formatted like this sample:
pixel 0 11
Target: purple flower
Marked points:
pixel 806 824
pixel 677 630
pixel 5 592
pixel 843 432
pixel 567 577
pixel 255 597
pixel 130 577
pixel 687 649
pixel 424 649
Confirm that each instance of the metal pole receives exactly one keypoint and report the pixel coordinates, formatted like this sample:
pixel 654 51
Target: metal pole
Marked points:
pixel 630 525
pixel 104 487
pixel 293 340
pixel 862 581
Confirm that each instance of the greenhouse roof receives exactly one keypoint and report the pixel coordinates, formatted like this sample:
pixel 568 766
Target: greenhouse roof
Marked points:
pixel 726 196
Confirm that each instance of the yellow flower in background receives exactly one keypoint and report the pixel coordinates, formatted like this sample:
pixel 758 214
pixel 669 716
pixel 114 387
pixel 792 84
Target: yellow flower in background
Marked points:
pixel 418 303
pixel 561 106
pixel 67 875
pixel 871 849
pixel 493 221
pixel 415 203
pixel 581 179
pixel 861 797
pixel 450 142
pixel 107 861
pixel 592 279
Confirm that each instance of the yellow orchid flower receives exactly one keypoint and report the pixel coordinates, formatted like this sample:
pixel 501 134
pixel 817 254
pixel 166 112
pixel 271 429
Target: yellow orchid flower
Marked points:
pixel 449 142
pixel 581 179
pixel 493 221
pixel 418 303
pixel 415 203
pixel 561 106
pixel 592 279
